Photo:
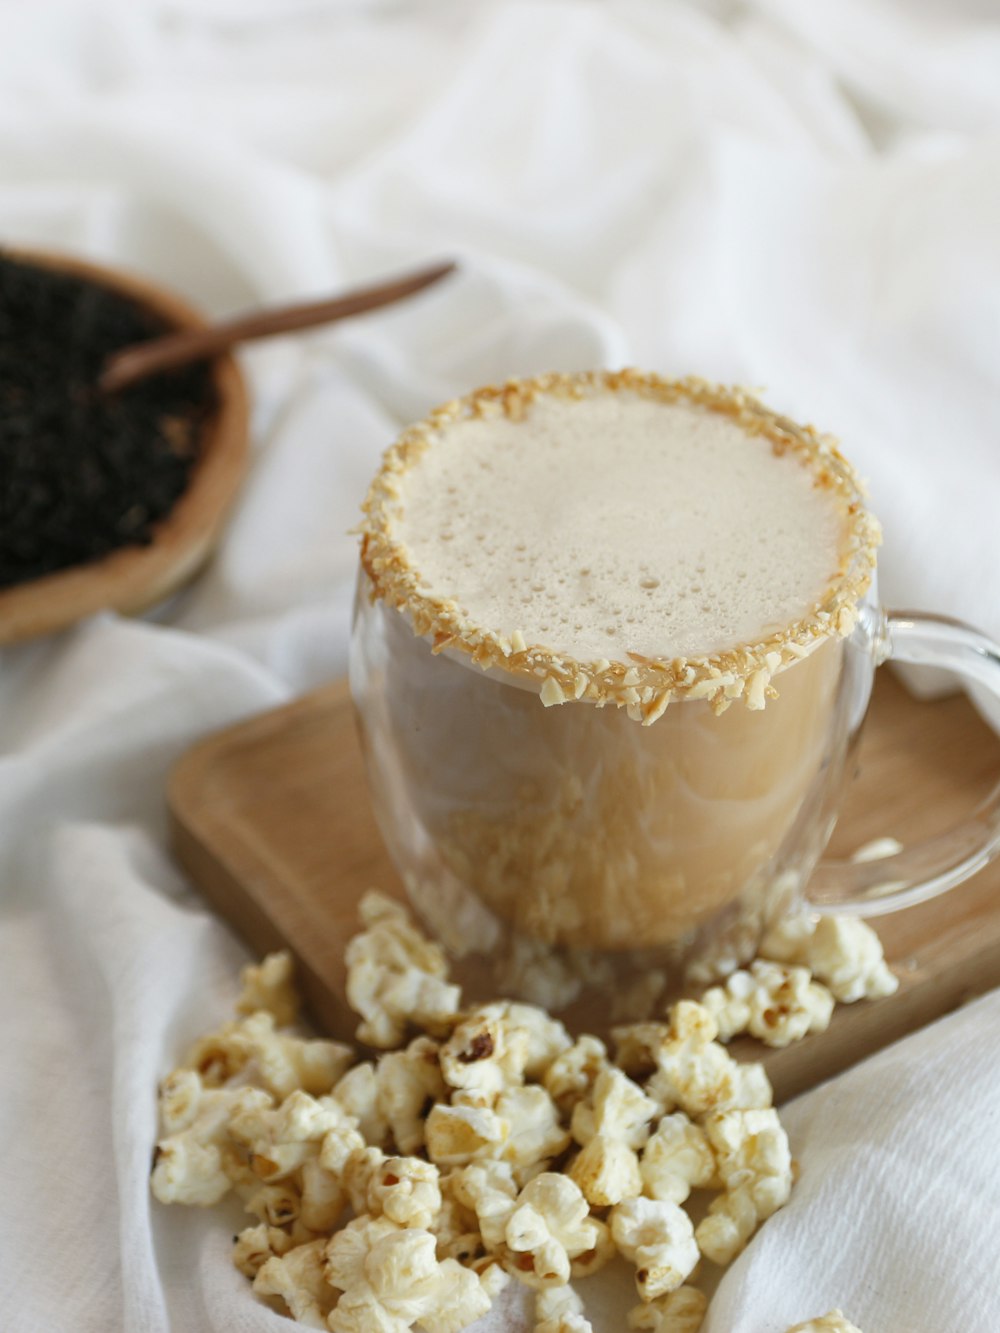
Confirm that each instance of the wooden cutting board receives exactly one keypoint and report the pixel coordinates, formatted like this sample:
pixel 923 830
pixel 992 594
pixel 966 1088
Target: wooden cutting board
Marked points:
pixel 271 819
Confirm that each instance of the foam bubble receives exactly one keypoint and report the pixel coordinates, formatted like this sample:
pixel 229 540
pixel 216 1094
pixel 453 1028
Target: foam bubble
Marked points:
pixel 618 523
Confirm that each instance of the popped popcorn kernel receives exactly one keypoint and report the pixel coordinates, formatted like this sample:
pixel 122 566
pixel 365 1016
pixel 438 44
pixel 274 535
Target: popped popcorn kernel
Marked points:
pixel 396 976
pixel 484 1054
pixel 682 1311
pixel 573 1073
pixel 407 1191
pixel 549 1225
pixel 488 1190
pixel 560 1310
pixel 442 1148
pixel 786 1004
pixel 279 1139
pixel 834 1322
pixel 406 1083
pixel 457 1135
pixel 197 1163
pixel 693 1072
pixel 269 985
pixel 536 1134
pixel 607 1171
pixel 659 1239
pixel 843 952
pixel 755 1167
pixel 616 1107
pixel 255 1245
pixel 357 1092
pixel 677 1158
pixel 298 1278
pixel 846 954
pixel 277 1061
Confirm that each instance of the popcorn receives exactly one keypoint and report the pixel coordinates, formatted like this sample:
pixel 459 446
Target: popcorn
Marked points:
pixel 755 1167
pixel 786 1004
pixel 834 1322
pixel 616 1108
pixel 269 985
pixel 846 954
pixel 593 1260
pixel 843 952
pixel 406 1190
pixel 364 1253
pixel 786 940
pixel 729 1004
pixel 491 1099
pixel 497 1046
pixel 456 1225
pixel 607 1171
pixel 181 1094
pixel 547 1037
pixel 484 1054
pixel 488 1190
pixel 341 1141
pixel 197 1162
pixel 277 1061
pixel 659 1239
pixel 298 1278
pixel 677 1159
pixel 277 1205
pixel 280 1139
pixel 559 1310
pixel 255 1245
pixel 323 1196
pixel 357 1093
pixel 457 1135
pixel 535 1134
pixel 390 1278
pixel 693 1071
pixel 396 976
pixel 402 1267
pixel 347 1251
pixel 572 1074
pixel 461 1297
pixel 493 1279
pixel 406 1082
pixel 682 1311
pixel 549 1225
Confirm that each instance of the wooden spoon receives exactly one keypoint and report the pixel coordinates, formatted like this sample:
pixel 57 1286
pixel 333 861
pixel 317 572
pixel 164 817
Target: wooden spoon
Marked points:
pixel 134 363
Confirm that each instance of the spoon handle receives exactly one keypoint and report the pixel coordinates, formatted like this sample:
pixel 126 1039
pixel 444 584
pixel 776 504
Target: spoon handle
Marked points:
pixel 134 363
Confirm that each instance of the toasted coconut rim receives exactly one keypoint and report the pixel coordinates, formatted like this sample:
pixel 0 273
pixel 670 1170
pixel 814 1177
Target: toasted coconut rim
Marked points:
pixel 644 686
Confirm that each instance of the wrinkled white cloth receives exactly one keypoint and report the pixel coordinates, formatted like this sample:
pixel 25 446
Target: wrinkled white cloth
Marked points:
pixel 805 198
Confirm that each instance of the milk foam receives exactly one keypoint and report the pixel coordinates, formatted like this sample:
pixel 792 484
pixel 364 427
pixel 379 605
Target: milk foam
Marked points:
pixel 617 523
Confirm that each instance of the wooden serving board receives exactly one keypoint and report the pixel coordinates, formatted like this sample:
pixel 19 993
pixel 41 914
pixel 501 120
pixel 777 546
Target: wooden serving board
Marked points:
pixel 271 819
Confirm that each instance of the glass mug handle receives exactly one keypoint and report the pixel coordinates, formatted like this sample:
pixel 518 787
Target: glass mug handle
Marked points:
pixel 873 888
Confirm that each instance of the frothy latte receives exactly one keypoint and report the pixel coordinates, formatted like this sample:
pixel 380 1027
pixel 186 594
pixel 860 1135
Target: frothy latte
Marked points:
pixel 614 524
pixel 636 551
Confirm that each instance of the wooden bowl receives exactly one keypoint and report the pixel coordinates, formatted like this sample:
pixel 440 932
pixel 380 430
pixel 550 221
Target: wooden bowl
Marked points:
pixel 133 578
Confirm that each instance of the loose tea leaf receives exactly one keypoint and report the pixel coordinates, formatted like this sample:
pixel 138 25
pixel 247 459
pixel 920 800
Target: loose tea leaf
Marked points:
pixel 83 473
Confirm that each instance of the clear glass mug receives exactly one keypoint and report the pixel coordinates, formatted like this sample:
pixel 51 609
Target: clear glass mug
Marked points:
pixel 571 846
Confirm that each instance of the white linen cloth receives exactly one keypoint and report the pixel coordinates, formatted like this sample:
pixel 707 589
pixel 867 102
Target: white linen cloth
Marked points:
pixel 801 197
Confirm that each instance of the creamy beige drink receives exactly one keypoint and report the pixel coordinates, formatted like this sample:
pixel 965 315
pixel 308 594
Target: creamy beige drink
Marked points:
pixel 613 617
pixel 619 526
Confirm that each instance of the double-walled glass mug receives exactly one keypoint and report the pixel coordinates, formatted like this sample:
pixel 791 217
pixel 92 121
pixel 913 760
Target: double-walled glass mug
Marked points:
pixel 572 846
